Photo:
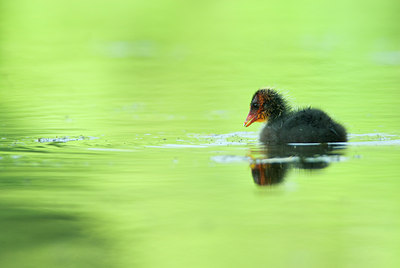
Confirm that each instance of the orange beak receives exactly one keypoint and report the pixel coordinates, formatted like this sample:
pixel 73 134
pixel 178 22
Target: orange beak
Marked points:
pixel 250 119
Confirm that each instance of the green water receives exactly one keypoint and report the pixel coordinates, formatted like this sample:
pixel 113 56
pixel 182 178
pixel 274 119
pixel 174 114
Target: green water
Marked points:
pixel 156 167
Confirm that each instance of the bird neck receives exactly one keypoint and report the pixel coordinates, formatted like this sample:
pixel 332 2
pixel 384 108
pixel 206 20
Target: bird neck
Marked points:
pixel 280 109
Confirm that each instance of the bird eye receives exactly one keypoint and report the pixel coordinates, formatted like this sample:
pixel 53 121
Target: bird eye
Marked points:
pixel 255 105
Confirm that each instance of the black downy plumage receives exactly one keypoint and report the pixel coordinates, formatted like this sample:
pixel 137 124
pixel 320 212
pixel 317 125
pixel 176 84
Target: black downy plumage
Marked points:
pixel 285 125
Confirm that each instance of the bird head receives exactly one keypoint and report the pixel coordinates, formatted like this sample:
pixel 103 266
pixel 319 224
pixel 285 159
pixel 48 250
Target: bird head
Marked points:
pixel 265 104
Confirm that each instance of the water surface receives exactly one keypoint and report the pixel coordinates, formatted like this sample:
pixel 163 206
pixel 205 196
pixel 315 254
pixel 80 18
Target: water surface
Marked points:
pixel 122 143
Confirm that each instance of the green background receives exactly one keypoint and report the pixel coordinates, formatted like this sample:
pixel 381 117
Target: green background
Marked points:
pixel 150 84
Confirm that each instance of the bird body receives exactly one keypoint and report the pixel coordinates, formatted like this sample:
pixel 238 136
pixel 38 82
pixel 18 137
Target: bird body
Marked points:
pixel 285 125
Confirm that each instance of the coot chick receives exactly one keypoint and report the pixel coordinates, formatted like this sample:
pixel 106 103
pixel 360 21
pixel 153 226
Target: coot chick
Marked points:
pixel 285 125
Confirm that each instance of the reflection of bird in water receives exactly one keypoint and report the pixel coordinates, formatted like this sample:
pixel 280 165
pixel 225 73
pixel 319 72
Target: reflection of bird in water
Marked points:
pixel 287 126
pixel 280 158
pixel 267 174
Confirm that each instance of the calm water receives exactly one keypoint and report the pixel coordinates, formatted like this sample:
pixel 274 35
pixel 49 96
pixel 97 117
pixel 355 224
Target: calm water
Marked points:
pixel 122 143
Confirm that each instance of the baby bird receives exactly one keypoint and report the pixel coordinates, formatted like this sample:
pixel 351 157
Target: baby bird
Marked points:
pixel 285 125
